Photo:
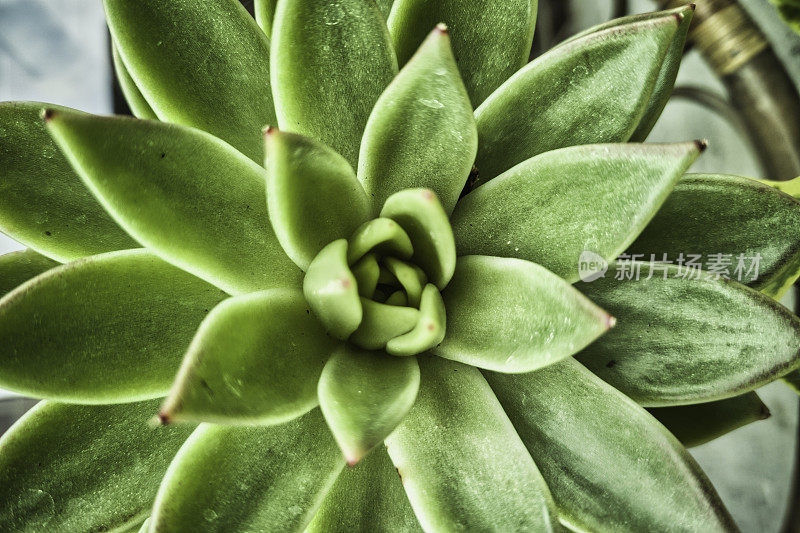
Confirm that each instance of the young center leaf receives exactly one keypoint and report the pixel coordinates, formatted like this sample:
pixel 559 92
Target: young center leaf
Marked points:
pixel 592 90
pixel 183 193
pixel 567 202
pixel 421 132
pixel 330 63
pixel 255 359
pixel 43 203
pixel 608 463
pixel 104 329
pixel 204 65
pixel 511 315
pixel 84 468
pixel 685 336
pixel 18 267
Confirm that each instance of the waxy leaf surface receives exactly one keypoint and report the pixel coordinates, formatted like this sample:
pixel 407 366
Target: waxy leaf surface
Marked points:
pixel 422 131
pixel 104 329
pixel 204 65
pixel 188 196
pixel 133 96
pixel 684 337
pixel 255 359
pixel 511 315
pixel 313 195
pixel 462 463
pixel 83 468
pixel 595 198
pixel 228 478
pixel 491 39
pixel 18 267
pixel 43 203
pixel 609 464
pixel 364 395
pixel 592 90
pixel 753 229
pixel 330 63
pixel 265 14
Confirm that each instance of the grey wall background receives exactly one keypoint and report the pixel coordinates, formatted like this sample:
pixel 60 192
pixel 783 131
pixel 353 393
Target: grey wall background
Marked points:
pixel 56 51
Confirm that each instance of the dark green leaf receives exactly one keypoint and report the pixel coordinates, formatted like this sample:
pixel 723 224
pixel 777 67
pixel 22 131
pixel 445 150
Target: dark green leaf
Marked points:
pixel 330 63
pixel 609 464
pixel 43 203
pixel 491 39
pixel 592 90
pixel 200 64
pixel 18 267
pixel 555 207
pixel 83 468
pixel 188 196
pixel 255 359
pixel 684 337
pixel 462 464
pixel 104 329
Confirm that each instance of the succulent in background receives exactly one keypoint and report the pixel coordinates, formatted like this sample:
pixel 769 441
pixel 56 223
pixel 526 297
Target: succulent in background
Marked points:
pixel 345 260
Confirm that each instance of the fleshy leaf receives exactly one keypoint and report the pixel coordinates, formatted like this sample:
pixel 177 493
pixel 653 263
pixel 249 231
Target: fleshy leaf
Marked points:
pixel 332 292
pixel 462 464
pixel 364 395
pixel 421 132
pixel 420 214
pixel 366 272
pixel 381 235
pixel 694 425
pixel 685 337
pixel 595 198
pixel 313 194
pixel 188 196
pixel 204 65
pixel 412 281
pixel 133 96
pixel 255 359
pixel 330 63
pixel 251 478
pixel 18 267
pixel 608 463
pixel 511 315
pixel 382 323
pixel 790 187
pixel 366 498
pixel 592 90
pixel 429 330
pixel 385 6
pixel 265 14
pixel 83 468
pixel 753 229
pixel 104 329
pixel 43 203
pixel 491 39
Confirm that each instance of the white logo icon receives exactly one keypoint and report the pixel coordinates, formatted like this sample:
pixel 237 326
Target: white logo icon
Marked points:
pixel 591 266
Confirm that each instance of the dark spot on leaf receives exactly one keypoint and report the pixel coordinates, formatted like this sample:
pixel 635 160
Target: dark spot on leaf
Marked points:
pixel 611 364
pixel 163 155
pixel 47 233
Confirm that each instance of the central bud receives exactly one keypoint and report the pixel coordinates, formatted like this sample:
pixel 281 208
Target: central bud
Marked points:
pixel 379 289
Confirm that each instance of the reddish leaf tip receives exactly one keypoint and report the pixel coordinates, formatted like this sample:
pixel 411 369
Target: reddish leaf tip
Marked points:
pixel 48 114
pixel 765 412
pixel 163 418
pixel 693 6
pixel 269 130
pixel 442 28
pixel 678 17
pixel 701 144
pixel 610 321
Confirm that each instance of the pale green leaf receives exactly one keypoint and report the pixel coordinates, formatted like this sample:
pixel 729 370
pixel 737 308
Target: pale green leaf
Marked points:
pixel 200 64
pixel 491 39
pixel 265 14
pixel 366 273
pixel 430 329
pixel 133 96
pixel 382 323
pixel 83 468
pixel 381 235
pixel 420 214
pixel 43 203
pixel 18 267
pixel 608 463
pixel 592 90
pixel 313 194
pixel 511 315
pixel 411 279
pixel 330 63
pixel 790 187
pixel 188 196
pixel 755 227
pixel 684 337
pixel 364 395
pixel 367 498
pixel 694 425
pixel 104 329
pixel 462 463
pixel 422 132
pixel 230 478
pixel 556 206
pixel 255 359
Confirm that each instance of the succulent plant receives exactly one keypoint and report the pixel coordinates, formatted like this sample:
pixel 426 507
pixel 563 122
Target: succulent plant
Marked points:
pixel 403 248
